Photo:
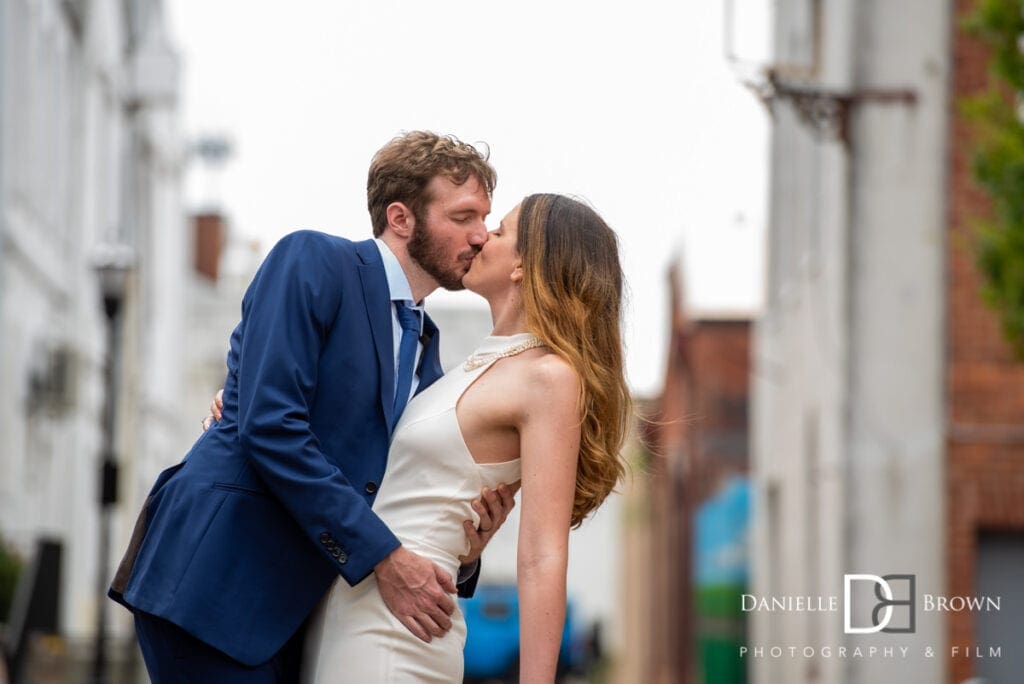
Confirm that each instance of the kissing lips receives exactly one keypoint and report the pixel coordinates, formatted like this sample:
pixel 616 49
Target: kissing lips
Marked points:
pixel 468 256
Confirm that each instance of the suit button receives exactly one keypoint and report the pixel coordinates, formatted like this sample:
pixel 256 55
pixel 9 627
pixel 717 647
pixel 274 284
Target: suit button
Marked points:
pixel 336 552
pixel 342 556
pixel 371 487
pixel 324 537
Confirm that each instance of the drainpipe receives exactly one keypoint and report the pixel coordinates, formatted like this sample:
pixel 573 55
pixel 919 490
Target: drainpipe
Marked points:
pixel 4 48
pixel 4 60
pixel 842 172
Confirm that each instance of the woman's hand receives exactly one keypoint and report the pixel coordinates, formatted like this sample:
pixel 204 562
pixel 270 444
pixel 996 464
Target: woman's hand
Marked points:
pixel 493 507
pixel 216 406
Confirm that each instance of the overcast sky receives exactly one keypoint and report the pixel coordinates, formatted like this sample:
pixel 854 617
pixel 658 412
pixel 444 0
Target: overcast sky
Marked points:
pixel 629 105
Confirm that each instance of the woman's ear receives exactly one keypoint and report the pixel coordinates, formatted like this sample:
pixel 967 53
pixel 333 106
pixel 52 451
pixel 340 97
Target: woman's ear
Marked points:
pixel 517 273
pixel 400 219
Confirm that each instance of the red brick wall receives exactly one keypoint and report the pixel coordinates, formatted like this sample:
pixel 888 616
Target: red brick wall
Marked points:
pixel 984 383
pixel 210 236
pixel 701 437
pixel 720 353
pixel 670 607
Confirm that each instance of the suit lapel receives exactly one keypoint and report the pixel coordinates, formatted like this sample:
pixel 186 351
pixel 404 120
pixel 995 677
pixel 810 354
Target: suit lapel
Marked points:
pixel 378 308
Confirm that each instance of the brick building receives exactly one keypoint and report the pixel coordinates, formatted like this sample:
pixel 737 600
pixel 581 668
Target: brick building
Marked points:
pixel 985 408
pixel 697 443
pixel 887 407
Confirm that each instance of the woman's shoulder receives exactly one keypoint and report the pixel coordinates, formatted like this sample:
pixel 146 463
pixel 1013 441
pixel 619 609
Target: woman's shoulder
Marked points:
pixel 546 377
pixel 547 366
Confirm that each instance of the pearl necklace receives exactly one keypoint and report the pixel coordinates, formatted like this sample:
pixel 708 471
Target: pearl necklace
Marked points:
pixel 477 360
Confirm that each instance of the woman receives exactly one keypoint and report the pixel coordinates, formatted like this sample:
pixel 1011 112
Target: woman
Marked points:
pixel 543 400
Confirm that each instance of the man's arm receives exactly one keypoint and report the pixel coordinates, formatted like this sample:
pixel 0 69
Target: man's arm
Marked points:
pixel 287 314
pixel 493 507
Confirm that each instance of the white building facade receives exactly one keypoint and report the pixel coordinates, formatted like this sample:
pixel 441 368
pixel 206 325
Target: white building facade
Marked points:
pixel 90 156
pixel 847 447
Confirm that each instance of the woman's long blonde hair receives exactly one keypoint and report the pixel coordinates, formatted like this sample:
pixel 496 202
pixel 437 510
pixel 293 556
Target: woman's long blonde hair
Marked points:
pixel 572 296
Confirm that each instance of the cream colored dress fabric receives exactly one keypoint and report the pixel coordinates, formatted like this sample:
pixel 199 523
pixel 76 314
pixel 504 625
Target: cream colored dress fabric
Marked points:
pixel 428 486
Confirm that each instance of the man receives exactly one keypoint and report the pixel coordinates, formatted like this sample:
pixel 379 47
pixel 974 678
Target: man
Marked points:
pixel 238 543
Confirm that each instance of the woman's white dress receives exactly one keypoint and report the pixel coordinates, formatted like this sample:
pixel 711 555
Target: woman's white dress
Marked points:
pixel 428 486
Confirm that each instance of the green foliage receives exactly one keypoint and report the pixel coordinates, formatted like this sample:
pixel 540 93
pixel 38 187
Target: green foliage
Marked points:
pixel 10 569
pixel 999 162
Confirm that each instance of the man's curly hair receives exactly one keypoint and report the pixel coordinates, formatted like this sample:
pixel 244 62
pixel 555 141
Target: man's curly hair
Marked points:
pixel 402 169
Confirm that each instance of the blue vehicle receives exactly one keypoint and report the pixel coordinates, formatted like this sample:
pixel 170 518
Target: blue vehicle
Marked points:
pixel 492 644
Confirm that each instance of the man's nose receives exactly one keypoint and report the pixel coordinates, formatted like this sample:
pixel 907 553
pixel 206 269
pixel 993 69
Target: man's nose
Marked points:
pixel 479 235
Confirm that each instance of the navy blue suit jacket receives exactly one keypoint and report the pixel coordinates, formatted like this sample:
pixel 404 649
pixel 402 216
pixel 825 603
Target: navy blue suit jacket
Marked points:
pixel 242 538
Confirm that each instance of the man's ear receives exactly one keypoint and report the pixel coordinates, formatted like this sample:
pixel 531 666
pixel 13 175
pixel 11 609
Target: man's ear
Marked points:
pixel 400 219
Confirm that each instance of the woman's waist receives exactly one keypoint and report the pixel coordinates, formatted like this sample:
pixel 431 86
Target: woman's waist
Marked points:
pixel 428 520
pixel 444 552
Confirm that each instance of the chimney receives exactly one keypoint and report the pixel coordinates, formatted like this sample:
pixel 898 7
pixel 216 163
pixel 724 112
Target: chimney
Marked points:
pixel 210 236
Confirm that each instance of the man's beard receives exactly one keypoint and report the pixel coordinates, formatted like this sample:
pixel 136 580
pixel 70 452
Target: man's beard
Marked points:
pixel 429 253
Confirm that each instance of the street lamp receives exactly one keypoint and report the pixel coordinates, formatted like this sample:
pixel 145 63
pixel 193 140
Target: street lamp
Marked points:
pixel 113 264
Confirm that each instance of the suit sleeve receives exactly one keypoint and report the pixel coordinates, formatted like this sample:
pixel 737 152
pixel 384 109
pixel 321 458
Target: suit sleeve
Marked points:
pixel 287 313
pixel 467 579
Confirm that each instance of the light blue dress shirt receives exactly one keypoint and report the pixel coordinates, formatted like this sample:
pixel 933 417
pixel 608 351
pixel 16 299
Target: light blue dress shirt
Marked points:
pixel 401 291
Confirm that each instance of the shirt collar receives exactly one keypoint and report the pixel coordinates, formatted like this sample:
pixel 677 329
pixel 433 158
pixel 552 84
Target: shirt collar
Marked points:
pixel 398 284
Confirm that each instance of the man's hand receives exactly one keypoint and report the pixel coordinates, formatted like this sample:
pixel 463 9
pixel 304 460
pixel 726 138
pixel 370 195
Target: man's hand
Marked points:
pixel 493 506
pixel 416 591
pixel 215 410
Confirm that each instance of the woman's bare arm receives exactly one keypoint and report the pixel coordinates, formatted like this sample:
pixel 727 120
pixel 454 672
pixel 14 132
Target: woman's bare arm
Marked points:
pixel 549 447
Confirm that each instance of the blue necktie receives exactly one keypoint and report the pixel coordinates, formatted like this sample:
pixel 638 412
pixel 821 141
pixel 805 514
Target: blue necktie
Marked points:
pixel 410 322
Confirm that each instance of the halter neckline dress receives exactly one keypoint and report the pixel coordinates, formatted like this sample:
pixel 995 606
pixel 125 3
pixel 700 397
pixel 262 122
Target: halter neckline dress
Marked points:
pixel 426 493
